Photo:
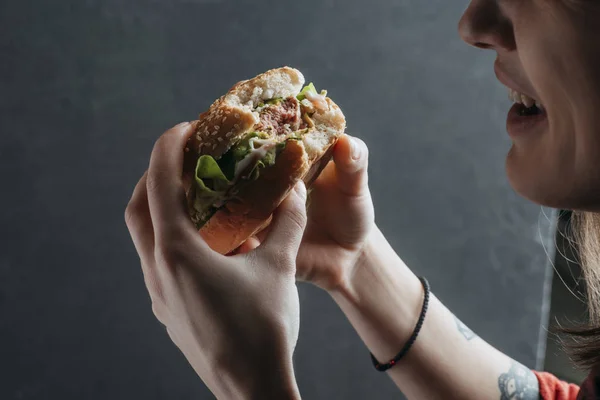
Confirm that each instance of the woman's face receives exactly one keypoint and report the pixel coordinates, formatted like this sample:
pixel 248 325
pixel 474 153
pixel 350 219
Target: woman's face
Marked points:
pixel 548 50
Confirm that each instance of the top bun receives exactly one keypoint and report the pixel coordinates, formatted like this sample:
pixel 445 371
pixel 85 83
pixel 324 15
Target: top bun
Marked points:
pixel 232 116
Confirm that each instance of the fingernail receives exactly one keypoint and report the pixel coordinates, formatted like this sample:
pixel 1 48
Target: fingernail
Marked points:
pixel 355 149
pixel 183 124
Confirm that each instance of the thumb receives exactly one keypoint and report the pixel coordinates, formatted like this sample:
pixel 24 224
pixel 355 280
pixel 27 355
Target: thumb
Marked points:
pixel 288 224
pixel 351 157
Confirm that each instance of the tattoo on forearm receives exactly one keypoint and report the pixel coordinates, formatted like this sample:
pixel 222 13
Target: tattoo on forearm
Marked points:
pixel 464 330
pixel 519 383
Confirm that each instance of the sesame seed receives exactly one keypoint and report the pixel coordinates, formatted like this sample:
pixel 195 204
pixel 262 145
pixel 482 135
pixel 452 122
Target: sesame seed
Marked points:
pixel 217 127
pixel 214 146
pixel 224 119
pixel 237 115
pixel 220 139
pixel 236 126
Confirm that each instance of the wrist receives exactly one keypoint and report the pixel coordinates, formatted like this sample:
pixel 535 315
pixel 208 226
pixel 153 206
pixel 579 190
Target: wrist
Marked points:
pixel 268 378
pixel 382 298
pixel 375 263
pixel 277 386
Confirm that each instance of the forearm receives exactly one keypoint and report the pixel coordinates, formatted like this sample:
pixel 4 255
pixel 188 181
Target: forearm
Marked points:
pixel 383 300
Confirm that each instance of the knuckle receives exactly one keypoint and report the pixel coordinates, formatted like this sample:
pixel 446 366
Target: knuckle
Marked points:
pixel 170 251
pixel 160 142
pixel 173 337
pixel 153 183
pixel 364 154
pixel 157 297
pixel 364 148
pixel 159 310
pixel 130 214
pixel 297 217
pixel 153 285
pixel 134 212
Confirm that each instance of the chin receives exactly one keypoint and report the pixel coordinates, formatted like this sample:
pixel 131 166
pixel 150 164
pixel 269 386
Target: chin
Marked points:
pixel 538 185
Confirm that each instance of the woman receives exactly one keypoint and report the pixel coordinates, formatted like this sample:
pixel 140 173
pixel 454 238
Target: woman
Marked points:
pixel 236 318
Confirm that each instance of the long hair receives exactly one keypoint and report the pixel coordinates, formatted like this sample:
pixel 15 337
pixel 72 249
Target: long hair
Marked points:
pixel 584 341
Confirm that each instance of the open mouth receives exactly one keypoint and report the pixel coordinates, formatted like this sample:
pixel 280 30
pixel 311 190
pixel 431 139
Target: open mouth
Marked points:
pixel 526 106
pixel 527 115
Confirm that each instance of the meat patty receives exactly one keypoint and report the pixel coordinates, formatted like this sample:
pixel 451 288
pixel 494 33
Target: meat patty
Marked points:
pixel 282 118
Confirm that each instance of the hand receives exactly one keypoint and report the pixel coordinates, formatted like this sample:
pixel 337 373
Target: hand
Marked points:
pixel 340 218
pixel 236 318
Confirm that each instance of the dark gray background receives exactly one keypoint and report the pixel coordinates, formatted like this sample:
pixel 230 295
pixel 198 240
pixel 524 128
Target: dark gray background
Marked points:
pixel 86 87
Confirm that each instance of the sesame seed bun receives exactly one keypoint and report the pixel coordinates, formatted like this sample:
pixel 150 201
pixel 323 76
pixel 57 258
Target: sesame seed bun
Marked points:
pixel 232 117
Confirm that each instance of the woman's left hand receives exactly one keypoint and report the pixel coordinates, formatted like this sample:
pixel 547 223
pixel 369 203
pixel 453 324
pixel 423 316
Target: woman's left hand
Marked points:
pixel 235 318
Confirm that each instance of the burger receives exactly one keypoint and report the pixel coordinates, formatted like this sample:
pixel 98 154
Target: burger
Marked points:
pixel 251 147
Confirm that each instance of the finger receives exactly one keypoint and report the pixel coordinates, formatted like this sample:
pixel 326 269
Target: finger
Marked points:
pixel 262 235
pixel 139 223
pixel 351 157
pixel 166 192
pixel 251 244
pixel 190 158
pixel 288 223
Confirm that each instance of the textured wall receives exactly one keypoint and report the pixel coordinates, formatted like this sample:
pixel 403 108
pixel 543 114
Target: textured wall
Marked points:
pixel 87 86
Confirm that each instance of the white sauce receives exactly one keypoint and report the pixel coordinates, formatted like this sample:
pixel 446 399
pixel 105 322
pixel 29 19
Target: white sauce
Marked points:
pixel 318 100
pixel 254 155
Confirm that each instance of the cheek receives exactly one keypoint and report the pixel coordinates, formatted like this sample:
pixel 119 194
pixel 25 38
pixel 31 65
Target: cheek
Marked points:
pixel 558 167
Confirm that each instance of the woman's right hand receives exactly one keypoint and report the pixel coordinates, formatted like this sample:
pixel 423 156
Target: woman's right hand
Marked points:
pixel 340 218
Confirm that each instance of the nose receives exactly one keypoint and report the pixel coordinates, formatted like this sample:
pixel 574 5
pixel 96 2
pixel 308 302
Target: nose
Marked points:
pixel 483 25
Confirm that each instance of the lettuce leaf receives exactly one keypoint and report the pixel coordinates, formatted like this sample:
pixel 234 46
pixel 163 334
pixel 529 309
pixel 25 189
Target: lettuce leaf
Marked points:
pixel 211 187
pixel 267 161
pixel 213 178
pixel 308 88
pixel 270 102
pixel 242 148
pixel 209 176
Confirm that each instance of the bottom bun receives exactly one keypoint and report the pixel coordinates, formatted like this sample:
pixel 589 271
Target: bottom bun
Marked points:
pixel 255 202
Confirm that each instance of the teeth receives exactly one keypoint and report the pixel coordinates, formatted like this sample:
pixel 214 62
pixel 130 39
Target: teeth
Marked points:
pixel 527 101
pixel 516 98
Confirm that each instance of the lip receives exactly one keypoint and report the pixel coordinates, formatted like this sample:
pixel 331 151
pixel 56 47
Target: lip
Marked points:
pixel 505 79
pixel 519 126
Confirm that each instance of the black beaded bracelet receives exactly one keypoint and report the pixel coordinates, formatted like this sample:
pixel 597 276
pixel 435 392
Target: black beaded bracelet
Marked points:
pixel 411 340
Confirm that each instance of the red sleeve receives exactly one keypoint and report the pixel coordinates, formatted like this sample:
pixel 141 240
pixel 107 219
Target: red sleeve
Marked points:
pixel 551 388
